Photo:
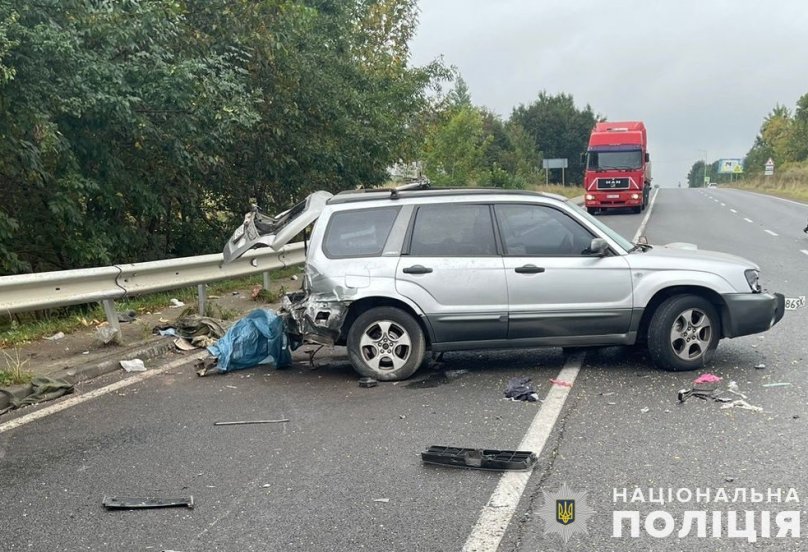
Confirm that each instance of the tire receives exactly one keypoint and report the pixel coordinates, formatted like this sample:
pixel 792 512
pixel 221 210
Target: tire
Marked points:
pixel 636 209
pixel 684 333
pixel 386 343
pixel 592 210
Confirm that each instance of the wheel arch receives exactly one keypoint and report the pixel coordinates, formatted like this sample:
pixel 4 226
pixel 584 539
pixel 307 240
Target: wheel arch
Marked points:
pixel 366 303
pixel 666 293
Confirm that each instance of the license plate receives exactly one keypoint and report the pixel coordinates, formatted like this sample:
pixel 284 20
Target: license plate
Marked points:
pixel 612 196
pixel 793 303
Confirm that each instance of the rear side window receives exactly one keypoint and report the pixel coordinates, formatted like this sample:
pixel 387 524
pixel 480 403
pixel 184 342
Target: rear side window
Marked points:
pixel 358 233
pixel 453 230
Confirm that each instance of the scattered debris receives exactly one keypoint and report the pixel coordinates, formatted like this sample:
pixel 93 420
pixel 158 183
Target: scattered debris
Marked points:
pixel 256 291
pixel 105 334
pixel 760 366
pixel 729 479
pixel 560 383
pixel 645 410
pixel 203 341
pixel 134 365
pixel 176 303
pixel 183 344
pixel 778 384
pixel 482 459
pixel 86 353
pixel 451 374
pixel 733 388
pixel 602 394
pixel 43 389
pixel 231 386
pixel 205 367
pixel 520 389
pixel 707 378
pixel 131 503
pixel 128 316
pixel 385 500
pixel 293 277
pixel 367 382
pixel 246 422
pixel 740 403
pixel 56 337
pixel 402 416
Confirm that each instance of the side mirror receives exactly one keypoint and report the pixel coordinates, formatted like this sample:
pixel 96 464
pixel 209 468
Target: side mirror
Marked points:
pixel 647 157
pixel 598 247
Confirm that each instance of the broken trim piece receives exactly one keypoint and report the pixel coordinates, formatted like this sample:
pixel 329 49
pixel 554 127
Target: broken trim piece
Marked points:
pixel 479 459
pixel 133 503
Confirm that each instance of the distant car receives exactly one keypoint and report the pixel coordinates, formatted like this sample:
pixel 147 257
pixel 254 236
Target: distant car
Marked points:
pixel 712 186
pixel 392 273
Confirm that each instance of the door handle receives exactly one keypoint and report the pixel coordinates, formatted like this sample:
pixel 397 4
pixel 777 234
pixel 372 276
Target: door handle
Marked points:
pixel 417 269
pixel 529 269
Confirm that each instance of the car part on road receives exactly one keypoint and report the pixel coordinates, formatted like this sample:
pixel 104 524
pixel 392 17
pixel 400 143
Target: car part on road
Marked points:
pixel 742 404
pixel 520 389
pixel 386 343
pixel 683 333
pixel 246 422
pixel 134 365
pixel 368 382
pixel 779 384
pixel 133 503
pixel 480 459
pixel 733 388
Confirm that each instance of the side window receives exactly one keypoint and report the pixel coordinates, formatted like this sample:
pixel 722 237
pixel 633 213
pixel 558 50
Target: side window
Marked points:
pixel 540 230
pixel 358 233
pixel 453 230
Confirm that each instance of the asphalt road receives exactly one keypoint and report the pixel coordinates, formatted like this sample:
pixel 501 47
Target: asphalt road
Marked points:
pixel 345 473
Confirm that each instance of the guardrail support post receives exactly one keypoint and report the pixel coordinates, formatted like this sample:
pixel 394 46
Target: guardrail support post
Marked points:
pixel 267 280
pixel 112 319
pixel 202 294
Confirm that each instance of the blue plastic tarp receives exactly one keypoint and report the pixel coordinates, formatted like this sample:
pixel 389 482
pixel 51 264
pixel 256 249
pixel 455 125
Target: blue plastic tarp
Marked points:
pixel 258 338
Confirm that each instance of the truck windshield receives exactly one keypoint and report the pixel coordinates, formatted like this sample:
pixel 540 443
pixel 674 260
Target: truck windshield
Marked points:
pixel 602 160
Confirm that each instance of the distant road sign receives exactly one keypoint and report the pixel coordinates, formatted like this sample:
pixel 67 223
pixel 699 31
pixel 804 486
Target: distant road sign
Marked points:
pixel 768 168
pixel 730 166
pixel 554 163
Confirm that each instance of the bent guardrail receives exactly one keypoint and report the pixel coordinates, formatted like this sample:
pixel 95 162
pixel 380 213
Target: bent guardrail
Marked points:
pixel 27 292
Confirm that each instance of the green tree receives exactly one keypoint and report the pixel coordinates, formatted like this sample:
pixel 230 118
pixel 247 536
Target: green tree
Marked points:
pixel 454 151
pixel 558 129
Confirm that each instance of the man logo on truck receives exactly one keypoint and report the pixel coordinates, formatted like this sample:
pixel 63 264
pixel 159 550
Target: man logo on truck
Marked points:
pixel 618 167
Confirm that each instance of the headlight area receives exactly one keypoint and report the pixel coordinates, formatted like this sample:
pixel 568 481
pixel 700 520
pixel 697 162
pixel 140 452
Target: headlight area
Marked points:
pixel 753 279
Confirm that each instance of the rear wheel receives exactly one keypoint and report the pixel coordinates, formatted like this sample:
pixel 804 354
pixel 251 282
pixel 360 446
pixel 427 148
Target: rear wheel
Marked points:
pixel 684 333
pixel 386 343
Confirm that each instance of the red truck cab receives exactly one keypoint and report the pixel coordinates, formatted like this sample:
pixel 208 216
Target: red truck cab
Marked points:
pixel 618 167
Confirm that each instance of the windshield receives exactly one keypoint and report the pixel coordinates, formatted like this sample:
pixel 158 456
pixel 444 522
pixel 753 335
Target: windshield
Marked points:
pixel 602 160
pixel 621 241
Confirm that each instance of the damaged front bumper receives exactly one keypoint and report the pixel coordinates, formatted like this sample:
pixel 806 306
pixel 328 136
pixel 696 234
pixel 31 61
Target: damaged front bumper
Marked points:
pixel 312 320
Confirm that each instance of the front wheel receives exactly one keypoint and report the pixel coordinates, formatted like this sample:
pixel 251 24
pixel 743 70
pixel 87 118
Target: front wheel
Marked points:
pixel 684 333
pixel 592 210
pixel 386 343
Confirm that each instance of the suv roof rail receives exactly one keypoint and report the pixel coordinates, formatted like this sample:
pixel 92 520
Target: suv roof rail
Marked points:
pixel 422 184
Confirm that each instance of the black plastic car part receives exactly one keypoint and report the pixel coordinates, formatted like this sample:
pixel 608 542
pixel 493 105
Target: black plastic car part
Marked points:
pixel 480 459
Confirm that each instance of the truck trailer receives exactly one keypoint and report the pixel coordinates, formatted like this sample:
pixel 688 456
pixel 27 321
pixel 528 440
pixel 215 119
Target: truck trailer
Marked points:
pixel 618 167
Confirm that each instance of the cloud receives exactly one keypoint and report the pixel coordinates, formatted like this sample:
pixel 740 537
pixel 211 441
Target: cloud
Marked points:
pixel 702 75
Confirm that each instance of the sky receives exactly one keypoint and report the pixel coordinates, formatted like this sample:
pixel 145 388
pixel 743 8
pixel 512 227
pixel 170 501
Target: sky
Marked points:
pixel 702 75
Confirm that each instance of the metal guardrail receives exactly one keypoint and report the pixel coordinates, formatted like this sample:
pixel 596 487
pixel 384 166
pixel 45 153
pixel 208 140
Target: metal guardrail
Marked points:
pixel 27 292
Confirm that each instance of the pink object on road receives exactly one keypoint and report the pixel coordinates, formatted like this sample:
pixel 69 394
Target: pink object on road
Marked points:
pixel 707 378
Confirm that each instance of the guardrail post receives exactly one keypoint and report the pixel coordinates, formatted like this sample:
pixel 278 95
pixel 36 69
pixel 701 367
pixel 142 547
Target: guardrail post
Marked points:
pixel 112 319
pixel 267 280
pixel 202 294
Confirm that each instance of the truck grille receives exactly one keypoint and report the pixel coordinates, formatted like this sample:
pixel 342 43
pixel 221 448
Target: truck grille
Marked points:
pixel 612 183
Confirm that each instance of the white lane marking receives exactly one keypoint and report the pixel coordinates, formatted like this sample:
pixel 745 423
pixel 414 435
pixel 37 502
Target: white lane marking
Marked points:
pixel 645 219
pixel 748 219
pixel 804 251
pixel 733 211
pixel 723 205
pixel 498 511
pixel 770 232
pixel 78 399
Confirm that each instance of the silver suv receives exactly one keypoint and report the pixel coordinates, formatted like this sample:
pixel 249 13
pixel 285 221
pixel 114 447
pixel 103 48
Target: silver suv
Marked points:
pixel 393 273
